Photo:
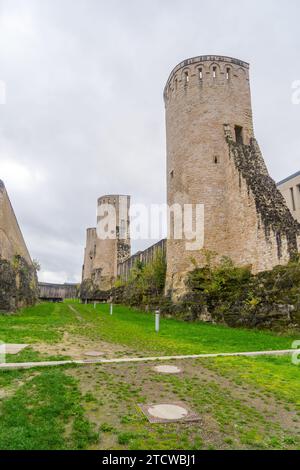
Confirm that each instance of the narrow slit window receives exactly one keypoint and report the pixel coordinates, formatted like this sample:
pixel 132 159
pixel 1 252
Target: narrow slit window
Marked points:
pixel 187 78
pixel 123 230
pixel 228 73
pixel 172 174
pixel 200 74
pixel 214 72
pixel 216 160
pixel 293 199
pixel 176 84
pixel 239 135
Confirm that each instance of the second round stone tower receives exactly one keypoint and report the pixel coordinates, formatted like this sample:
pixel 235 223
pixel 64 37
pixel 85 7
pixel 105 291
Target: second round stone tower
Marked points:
pixel 213 159
pixel 108 244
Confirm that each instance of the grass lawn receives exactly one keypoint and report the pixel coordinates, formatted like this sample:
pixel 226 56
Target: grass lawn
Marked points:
pixel 243 403
pixel 47 323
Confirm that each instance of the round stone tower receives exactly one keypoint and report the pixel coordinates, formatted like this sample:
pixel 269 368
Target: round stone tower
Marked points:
pixel 209 127
pixel 112 243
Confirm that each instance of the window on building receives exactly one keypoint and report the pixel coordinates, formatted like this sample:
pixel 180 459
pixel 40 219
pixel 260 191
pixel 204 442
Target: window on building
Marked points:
pixel 239 135
pixel 172 174
pixel 216 160
pixel 214 72
pixel 187 78
pixel 200 73
pixel 293 199
pixel 228 73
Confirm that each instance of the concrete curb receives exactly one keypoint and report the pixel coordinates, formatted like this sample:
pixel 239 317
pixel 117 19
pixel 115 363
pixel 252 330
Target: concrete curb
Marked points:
pixel 29 365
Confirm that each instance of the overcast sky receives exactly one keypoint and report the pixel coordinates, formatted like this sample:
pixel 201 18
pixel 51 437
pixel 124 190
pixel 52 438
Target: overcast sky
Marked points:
pixel 84 114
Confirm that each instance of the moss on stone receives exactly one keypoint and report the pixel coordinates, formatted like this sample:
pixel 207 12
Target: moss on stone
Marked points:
pixel 18 284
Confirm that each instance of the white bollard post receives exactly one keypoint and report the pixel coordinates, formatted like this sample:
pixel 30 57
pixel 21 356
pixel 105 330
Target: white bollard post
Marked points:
pixel 157 318
pixel 111 309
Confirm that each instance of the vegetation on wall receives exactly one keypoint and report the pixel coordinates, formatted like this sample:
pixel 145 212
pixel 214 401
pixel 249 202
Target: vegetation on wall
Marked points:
pixel 233 295
pixel 18 284
pixel 216 292
pixel 145 286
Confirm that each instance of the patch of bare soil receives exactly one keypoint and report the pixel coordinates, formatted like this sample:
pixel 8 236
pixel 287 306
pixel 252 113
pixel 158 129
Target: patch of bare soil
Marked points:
pixel 115 390
pixel 76 347
pixel 119 388
pixel 10 390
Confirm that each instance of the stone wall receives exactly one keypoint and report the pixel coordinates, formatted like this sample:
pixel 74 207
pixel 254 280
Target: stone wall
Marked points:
pixel 18 281
pixel 236 297
pixel 18 284
pixel 11 239
pixel 145 257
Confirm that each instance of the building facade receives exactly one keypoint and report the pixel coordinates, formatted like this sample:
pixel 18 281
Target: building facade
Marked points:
pixel 290 189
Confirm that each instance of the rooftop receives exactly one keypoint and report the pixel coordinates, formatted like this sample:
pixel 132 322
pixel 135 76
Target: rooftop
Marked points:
pixel 288 178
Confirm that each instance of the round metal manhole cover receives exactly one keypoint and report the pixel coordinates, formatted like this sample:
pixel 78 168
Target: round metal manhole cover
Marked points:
pixel 93 353
pixel 167 369
pixel 167 411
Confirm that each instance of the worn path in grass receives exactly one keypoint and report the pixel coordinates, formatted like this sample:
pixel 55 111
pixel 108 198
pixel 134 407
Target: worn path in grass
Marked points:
pixel 58 332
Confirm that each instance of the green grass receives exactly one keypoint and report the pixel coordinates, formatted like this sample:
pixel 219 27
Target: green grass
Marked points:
pixel 228 419
pixel 136 329
pixel 42 323
pixel 47 322
pixel 275 376
pixel 67 407
pixel 40 412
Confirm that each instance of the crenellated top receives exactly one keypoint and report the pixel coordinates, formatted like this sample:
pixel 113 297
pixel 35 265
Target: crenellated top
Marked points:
pixel 203 68
pixel 111 198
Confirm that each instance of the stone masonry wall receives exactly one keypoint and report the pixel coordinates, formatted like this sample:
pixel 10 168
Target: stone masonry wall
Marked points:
pixel 258 216
pixel 18 280
pixel 144 257
pixel 11 239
